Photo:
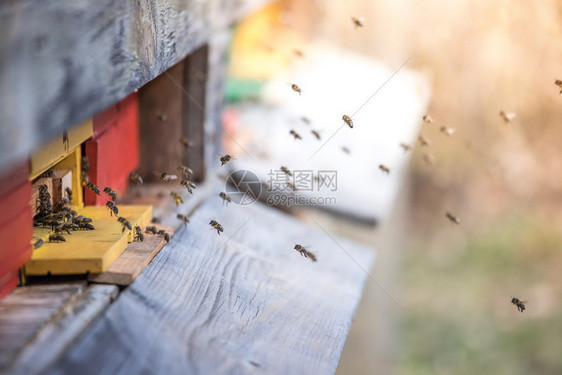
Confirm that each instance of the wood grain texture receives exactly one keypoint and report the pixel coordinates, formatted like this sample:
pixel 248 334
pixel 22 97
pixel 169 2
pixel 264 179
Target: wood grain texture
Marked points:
pixel 69 322
pixel 25 311
pixel 64 62
pixel 242 302
pixel 136 257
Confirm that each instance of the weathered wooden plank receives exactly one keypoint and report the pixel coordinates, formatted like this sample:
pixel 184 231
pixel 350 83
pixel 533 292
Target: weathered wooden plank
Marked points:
pixel 25 311
pixel 63 329
pixel 64 62
pixel 133 260
pixel 241 302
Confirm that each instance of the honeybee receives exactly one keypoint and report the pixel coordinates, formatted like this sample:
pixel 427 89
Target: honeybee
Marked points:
pixel 162 233
pixel 348 120
pixel 428 159
pixel 384 169
pixel 186 143
pixel 69 193
pixel 183 218
pixel 177 198
pixel 56 238
pixel 215 224
pixel 346 150
pixel 188 185
pixel 559 84
pixel 452 218
pixel 186 171
pixel 295 134
pixel 93 188
pixel 111 193
pixel 224 158
pixel 60 229
pixel 49 173
pixel 286 171
pixel 151 229
pixel 298 52
pixel 427 119
pixel 406 147
pixel 296 88
pixel 139 236
pixel 520 304
pixel 358 21
pixel 447 131
pixel 167 177
pixel 38 244
pixel 65 140
pixel 225 198
pixel 112 207
pixel 304 252
pixel 135 178
pixel 161 116
pixel 305 120
pixel 423 140
pixel 125 223
pixel 86 226
pixel 507 117
pixel 316 134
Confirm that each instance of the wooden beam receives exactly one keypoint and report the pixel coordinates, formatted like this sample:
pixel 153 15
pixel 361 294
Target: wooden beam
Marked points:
pixel 68 61
pixel 241 302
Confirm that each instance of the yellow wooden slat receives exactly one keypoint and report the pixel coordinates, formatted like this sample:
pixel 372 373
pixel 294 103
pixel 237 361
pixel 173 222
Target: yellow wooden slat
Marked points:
pixel 54 151
pixel 87 251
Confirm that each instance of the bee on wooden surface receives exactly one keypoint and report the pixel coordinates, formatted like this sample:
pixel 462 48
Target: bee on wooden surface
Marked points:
pixel 346 150
pixel 306 120
pixel 93 188
pixel 427 119
pixel 60 230
pixel 520 304
pixel 164 177
pixel 225 198
pixel 165 235
pixel 139 236
pixel 559 84
pixel 185 171
pixel 406 147
pixel 161 116
pixel 296 88
pixel 187 143
pixel 347 120
pixel 304 252
pixel 225 158
pixel 38 244
pixel 384 169
pixel 151 229
pixel 452 218
pixel 177 198
pixel 112 207
pixel 183 218
pixel 447 131
pixel 215 224
pixel 49 173
pixel 358 21
pixel 111 193
pixel 423 140
pixel 428 159
pixel 135 178
pixel 56 238
pixel 507 116
pixel 316 134
pixel 83 219
pixel 286 171
pixel 125 223
pixel 189 185
pixel 295 134
pixel 87 226
pixel 65 140
pixel 68 192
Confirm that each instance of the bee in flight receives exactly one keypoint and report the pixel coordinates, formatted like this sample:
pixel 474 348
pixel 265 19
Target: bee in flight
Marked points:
pixel 298 52
pixel 347 120
pixel 177 198
pixel 111 193
pixel 306 120
pixel 452 218
pixel 559 84
pixel 520 304
pixel 358 21
pixel 296 88
pixel 185 171
pixel 428 159
pixel 215 224
pixel 384 169
pixel 189 185
pixel 427 119
pixel 406 147
pixel 93 188
pixel 447 131
pixel 295 134
pixel 286 171
pixel 304 252
pixel 423 140
pixel 507 116
pixel 225 198
pixel 316 134
pixel 161 116
pixel 183 218
pixel 135 178
pixel 186 143
pixel 112 207
pixel 225 158
pixel 125 224
pixel 346 150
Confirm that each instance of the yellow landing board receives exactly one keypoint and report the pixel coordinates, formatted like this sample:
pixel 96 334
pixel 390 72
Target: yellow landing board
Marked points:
pixel 87 251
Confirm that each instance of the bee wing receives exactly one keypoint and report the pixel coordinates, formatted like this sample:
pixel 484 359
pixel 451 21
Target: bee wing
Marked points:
pixel 172 177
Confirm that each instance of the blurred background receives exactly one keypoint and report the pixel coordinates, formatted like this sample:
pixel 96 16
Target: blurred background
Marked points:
pixel 502 179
